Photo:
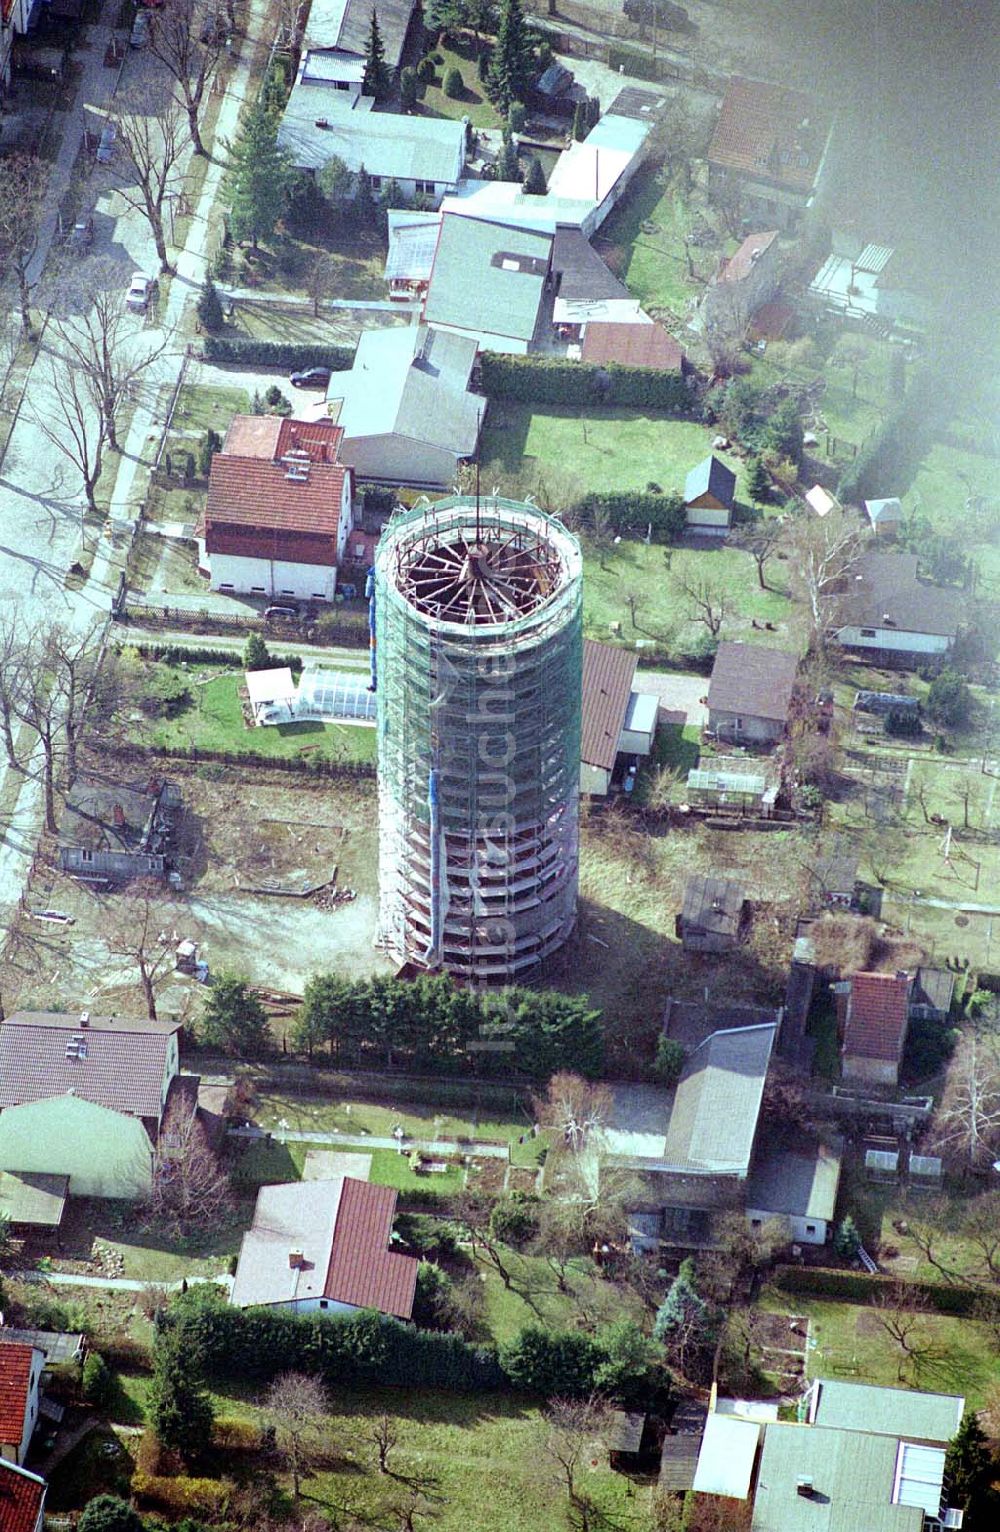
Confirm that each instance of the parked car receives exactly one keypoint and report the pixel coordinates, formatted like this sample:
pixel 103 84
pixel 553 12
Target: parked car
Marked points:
pixel 81 236
pixel 311 377
pixel 139 36
pixel 106 147
pixel 281 614
pixel 140 292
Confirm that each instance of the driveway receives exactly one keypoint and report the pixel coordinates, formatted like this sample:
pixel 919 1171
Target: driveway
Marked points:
pixel 681 695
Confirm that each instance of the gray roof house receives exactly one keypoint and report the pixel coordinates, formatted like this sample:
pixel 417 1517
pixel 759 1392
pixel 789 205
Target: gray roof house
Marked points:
pixel 423 155
pixel 491 281
pixel 342 27
pixel 931 994
pixel 109 831
pixel 405 406
pixel 885 1411
pixel 711 916
pixel 750 692
pixel 709 491
pixel 796 1185
pixel 887 610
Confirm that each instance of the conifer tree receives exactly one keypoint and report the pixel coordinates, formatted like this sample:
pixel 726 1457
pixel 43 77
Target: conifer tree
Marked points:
pixel 512 61
pixel 534 181
pixel 375 81
pixel 259 176
pixel 209 306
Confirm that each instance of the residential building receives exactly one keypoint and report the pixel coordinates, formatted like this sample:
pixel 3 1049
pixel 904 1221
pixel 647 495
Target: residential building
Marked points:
pixel 886 611
pixel 424 156
pixel 278 512
pixel 796 1187
pixel 750 692
pixel 617 720
pixel 586 292
pixel 931 994
pixel 864 282
pixel 709 491
pixel 32 1202
pixel 600 169
pixel 338 31
pixel 768 150
pixel 22 1499
pixel 21 1369
pixel 492 282
pixel 842 1406
pixel 84 1097
pixel 711 918
pixel 405 409
pixel 109 832
pixel 413 238
pixel 874 1015
pixel 323 1247
pixel 742 284
pixel 885 516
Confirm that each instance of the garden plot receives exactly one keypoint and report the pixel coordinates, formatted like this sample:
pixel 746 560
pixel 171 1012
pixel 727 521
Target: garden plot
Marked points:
pixel 782 1341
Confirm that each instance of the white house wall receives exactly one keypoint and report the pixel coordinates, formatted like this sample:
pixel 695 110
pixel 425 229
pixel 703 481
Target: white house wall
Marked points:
pixel 894 639
pixel 398 460
pixel 705 518
pixel 169 1069
pixel 803 1231
pixel 272 577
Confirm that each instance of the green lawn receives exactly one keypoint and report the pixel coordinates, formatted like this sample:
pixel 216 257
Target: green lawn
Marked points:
pixel 302 1113
pixel 854 394
pixel 598 448
pixel 214 721
pixel 663 610
pixel 643 242
pixel 266 1163
pixel 534 1297
pixel 473 102
pixel 199 408
pixel 946 478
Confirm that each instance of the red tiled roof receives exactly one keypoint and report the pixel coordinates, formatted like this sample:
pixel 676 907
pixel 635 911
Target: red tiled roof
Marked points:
pixel 271 436
pixel 877 1016
pixel 770 131
pixel 742 261
pixel 21 1498
pixel 633 345
pixel 608 673
pixel 15 1378
pixel 253 496
pixel 363 1271
pixel 123 1067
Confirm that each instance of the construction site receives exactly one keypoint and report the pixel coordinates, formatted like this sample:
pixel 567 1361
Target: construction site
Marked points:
pixel 476 661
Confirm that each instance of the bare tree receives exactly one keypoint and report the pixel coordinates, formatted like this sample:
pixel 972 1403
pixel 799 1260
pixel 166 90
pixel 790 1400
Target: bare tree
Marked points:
pixel 472 1213
pixel 295 1408
pixel 190 1190
pixel 289 24
pixel 134 929
pixel 102 345
pixel 760 539
pixel 825 551
pixel 708 600
pixel 572 1426
pixel 383 1434
pixel 187 38
pixel 320 281
pixel 925 1226
pixel 981 1227
pixel 22 193
pixel 968 1123
pixel 561 1236
pixel 153 141
pixel 575 1108
pixel 64 411
pixel 58 682
pixel 901 1312
pixel 13 659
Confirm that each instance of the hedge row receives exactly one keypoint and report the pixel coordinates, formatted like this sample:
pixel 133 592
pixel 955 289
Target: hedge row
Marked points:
pixel 181 1495
pixel 178 654
pixel 860 1287
pixel 232 351
pixel 551 380
pixel 634 511
pixel 344 1349
pixel 316 767
pixel 634 61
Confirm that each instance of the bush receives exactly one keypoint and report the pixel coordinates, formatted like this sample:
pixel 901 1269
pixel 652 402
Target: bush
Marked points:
pixel 517 117
pixel 670 1056
pixel 431 1298
pixel 96 1380
pixel 426 72
pixel 632 511
pixel 633 61
pixel 860 1287
pixel 428 1237
pixel 847 1240
pixel 211 442
pixel 210 313
pixel 408 80
pixel 180 1495
pixel 949 700
pixel 551 1363
pixel 167 695
pixel 237 1436
pixel 233 351
pixel 552 380
pixel 107 1513
pixel 256 655
pixel 453 85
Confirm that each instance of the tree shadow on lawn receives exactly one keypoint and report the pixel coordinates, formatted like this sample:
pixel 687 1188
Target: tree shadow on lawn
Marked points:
pixel 431 1407
pixel 506 436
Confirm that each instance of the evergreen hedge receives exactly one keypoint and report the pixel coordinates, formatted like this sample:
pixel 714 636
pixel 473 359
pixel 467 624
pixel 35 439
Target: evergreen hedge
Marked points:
pixel 234 351
pixel 634 61
pixel 861 1287
pixel 552 380
pixel 633 511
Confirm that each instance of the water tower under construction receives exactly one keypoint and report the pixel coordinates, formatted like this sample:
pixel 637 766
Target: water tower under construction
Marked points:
pixel 477 648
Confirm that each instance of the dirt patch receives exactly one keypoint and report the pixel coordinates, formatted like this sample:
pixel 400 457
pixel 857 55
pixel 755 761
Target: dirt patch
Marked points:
pixel 780 1332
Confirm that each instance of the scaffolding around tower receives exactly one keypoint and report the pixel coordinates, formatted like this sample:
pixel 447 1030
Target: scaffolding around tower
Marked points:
pixel 478 646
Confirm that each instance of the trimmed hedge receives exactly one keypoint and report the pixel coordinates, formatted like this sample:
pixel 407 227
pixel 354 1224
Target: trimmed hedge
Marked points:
pixel 634 61
pixel 178 654
pixel 550 380
pixel 318 766
pixel 231 351
pixel 182 1495
pixel 860 1287
pixel 340 1349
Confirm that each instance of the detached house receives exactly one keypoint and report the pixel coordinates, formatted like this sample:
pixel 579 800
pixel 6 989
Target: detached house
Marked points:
pixel 110 832
pixel 324 1247
pixel 770 143
pixel 491 281
pixel 874 1014
pixel 709 491
pixel 22 1499
pixel 278 513
pixel 885 610
pixel 424 156
pixel 742 284
pixel 335 41
pixel 84 1097
pixel 750 692
pixel 21 1370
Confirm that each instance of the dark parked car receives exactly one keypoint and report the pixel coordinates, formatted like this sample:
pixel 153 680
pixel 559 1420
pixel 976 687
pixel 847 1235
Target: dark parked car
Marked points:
pixel 281 614
pixel 311 377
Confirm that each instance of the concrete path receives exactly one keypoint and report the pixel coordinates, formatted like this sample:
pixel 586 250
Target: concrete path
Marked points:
pixel 295 301
pixel 373 1141
pixel 117 1284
